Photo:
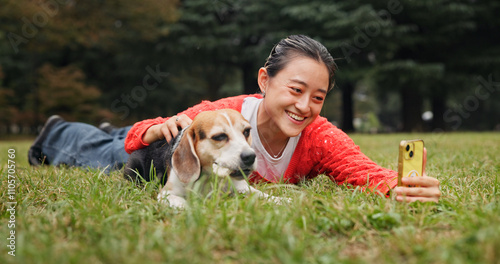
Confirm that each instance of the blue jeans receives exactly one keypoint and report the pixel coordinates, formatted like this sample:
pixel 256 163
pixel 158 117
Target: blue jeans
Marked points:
pixel 83 145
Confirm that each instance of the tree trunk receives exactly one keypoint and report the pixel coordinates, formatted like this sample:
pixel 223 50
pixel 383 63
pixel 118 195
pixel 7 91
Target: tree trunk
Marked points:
pixel 347 107
pixel 213 88
pixel 438 109
pixel 215 79
pixel 412 110
pixel 250 85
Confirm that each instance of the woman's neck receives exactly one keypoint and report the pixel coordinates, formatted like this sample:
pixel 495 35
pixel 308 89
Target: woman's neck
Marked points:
pixel 271 136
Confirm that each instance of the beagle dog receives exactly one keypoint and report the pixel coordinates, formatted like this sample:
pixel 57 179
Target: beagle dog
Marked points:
pixel 216 143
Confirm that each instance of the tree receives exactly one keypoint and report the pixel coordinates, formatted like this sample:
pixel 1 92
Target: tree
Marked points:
pixel 412 62
pixel 6 110
pixel 161 57
pixel 105 39
pixel 63 90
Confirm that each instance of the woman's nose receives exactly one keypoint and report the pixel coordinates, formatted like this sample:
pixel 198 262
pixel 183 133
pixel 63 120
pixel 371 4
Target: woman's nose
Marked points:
pixel 302 104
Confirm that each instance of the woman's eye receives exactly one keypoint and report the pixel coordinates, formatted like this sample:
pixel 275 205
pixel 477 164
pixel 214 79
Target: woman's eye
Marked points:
pixel 220 137
pixel 319 98
pixel 297 90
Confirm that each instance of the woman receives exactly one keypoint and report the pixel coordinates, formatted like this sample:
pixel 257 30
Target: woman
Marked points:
pixel 292 141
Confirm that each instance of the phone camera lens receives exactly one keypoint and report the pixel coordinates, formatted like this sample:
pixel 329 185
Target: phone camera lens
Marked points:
pixel 411 154
pixel 407 147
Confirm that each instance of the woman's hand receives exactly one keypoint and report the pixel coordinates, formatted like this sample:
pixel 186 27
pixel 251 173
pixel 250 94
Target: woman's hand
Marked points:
pixel 427 190
pixel 168 130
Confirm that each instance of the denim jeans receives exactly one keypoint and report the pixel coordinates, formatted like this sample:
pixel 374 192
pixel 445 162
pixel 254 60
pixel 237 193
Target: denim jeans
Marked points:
pixel 83 145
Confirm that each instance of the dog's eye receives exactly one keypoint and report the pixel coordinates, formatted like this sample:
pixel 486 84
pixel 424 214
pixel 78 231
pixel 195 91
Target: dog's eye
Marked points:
pixel 220 137
pixel 246 132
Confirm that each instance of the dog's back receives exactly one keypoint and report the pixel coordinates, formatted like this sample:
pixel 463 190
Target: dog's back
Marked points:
pixel 156 156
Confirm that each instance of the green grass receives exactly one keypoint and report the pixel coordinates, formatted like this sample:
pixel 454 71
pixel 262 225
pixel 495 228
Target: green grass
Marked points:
pixel 69 215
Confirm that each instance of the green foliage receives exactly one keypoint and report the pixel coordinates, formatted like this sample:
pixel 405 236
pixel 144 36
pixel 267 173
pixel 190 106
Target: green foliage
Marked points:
pixel 89 24
pixel 431 54
pixel 64 91
pixel 97 37
pixel 427 53
pixel 73 215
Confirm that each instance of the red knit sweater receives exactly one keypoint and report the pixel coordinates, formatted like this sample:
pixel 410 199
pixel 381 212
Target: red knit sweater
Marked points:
pixel 322 149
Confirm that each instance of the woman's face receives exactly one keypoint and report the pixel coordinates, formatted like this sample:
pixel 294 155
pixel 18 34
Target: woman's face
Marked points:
pixel 295 95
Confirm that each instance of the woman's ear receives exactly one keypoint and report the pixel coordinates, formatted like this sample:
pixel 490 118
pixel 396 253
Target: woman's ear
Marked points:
pixel 263 79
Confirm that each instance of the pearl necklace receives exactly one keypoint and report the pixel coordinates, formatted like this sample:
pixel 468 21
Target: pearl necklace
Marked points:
pixel 271 150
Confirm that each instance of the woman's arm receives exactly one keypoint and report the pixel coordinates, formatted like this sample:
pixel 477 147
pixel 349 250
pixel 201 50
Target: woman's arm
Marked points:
pixel 166 130
pixel 342 160
pixel 134 139
pixel 148 131
pixel 337 156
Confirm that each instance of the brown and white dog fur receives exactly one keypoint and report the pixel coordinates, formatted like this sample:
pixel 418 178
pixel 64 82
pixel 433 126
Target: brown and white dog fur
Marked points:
pixel 216 143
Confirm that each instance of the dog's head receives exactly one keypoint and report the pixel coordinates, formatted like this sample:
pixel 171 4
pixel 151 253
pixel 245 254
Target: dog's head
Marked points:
pixel 216 142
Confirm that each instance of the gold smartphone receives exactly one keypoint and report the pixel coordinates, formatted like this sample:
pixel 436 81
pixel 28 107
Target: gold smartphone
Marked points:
pixel 411 159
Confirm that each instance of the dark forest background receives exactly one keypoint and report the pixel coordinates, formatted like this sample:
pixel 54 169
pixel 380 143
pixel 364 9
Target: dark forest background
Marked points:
pixel 428 65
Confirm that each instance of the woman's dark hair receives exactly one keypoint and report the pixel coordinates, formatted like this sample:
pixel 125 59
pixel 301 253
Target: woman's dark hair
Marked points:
pixel 299 45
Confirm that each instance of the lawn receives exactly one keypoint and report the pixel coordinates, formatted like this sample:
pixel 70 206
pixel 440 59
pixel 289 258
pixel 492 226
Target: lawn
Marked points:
pixel 70 215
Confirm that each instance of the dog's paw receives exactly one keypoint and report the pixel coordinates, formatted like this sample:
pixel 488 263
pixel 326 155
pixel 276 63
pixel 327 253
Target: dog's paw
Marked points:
pixel 172 200
pixel 177 203
pixel 279 200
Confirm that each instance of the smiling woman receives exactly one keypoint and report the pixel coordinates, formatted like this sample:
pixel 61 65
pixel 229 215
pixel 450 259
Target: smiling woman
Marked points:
pixel 298 93
pixel 292 142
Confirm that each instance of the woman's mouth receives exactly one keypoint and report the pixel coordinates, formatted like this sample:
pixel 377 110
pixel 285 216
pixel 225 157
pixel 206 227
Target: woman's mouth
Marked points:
pixel 295 117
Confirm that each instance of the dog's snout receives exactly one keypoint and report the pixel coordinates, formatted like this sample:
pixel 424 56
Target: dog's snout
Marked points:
pixel 247 157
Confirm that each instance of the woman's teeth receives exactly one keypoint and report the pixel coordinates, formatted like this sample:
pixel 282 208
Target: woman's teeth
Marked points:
pixel 294 116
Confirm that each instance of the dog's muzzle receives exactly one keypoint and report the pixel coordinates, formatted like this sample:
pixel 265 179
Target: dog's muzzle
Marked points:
pixel 247 159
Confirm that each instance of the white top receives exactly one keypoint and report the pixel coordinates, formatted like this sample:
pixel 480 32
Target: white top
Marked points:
pixel 269 167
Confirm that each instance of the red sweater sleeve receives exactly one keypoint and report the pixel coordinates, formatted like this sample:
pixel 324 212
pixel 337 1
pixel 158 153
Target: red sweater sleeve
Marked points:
pixel 325 149
pixel 134 141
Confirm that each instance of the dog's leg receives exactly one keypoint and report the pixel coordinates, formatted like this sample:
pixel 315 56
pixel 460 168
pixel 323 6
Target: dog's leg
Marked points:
pixel 174 201
pixel 173 193
pixel 241 186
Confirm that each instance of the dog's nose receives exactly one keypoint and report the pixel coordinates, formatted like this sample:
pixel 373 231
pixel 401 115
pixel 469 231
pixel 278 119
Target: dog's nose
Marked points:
pixel 247 157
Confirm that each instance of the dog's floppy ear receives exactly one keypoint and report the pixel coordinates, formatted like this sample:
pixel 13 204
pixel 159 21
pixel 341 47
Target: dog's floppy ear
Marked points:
pixel 185 162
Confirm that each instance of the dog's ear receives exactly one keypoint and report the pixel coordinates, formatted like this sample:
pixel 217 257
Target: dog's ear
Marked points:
pixel 185 162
